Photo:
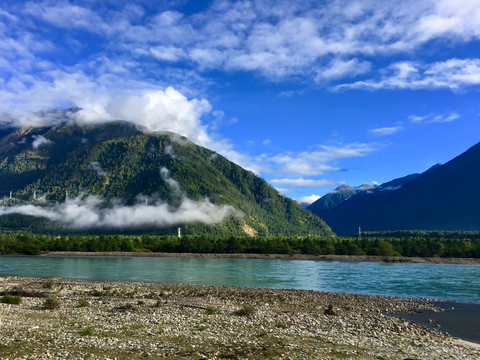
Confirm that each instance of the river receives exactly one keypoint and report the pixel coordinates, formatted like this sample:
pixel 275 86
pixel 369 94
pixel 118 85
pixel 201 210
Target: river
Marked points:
pixel 440 281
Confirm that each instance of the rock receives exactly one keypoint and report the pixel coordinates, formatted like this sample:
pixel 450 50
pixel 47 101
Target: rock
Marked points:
pixel 329 310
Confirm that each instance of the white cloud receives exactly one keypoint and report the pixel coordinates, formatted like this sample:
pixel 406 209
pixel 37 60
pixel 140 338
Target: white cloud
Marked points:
pixel 316 162
pixel 302 182
pixel 285 191
pixel 39 140
pixel 450 19
pixel 93 212
pixel 95 165
pixel 307 200
pixel 343 68
pixel 453 74
pixel 386 130
pixel 67 16
pixel 431 118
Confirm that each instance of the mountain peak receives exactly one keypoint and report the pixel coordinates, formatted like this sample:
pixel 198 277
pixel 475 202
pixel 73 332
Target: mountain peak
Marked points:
pixel 445 197
pixel 117 175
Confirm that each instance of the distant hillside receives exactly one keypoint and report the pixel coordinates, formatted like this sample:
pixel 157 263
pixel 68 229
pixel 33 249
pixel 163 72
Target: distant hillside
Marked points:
pixel 336 197
pixel 148 182
pixel 445 197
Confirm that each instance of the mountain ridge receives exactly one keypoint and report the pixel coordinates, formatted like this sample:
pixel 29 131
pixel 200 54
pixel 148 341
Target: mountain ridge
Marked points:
pixel 444 197
pixel 119 163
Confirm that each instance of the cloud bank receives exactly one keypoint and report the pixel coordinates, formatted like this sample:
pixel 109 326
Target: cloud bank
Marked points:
pixel 307 200
pixel 92 212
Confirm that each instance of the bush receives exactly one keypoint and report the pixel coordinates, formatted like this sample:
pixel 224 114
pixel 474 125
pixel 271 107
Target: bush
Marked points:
pixel 11 299
pixel 210 310
pixel 84 303
pixel 51 303
pixel 48 284
pixel 86 332
pixel 245 310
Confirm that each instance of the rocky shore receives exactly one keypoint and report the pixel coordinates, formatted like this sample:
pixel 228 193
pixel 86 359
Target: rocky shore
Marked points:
pixel 348 258
pixel 65 319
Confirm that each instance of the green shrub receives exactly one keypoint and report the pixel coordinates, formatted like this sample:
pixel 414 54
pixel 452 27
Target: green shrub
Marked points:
pixel 84 303
pixel 47 284
pixel 245 310
pixel 202 327
pixel 11 299
pixel 210 310
pixel 86 332
pixel 51 303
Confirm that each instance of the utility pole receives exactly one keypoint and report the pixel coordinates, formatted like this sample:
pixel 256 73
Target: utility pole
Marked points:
pixel 179 233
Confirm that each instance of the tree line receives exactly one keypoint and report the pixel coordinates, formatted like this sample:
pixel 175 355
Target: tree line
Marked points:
pixel 33 244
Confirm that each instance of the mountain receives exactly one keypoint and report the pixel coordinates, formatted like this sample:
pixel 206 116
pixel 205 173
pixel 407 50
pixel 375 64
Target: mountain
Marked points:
pixel 116 177
pixel 336 197
pixel 445 197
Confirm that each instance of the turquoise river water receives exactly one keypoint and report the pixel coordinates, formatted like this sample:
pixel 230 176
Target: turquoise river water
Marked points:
pixel 453 282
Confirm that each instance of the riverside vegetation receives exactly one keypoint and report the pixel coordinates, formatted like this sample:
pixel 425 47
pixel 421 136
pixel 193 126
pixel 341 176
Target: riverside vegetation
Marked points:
pixel 407 244
pixel 97 320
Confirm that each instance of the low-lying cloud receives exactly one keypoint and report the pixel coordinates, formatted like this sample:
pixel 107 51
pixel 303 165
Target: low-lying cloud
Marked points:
pixel 93 212
pixel 39 140
pixel 88 213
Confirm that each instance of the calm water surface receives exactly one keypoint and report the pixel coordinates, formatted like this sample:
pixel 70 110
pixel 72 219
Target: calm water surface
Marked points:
pixel 454 282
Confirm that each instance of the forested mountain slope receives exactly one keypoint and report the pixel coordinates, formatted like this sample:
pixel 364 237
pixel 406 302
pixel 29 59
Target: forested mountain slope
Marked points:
pixel 117 165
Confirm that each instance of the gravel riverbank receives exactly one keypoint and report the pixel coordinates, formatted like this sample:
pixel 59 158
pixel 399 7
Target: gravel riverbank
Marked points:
pixel 146 320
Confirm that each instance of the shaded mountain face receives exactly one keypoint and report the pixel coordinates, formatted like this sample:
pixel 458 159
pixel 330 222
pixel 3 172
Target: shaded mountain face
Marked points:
pixel 336 197
pixel 445 197
pixel 115 176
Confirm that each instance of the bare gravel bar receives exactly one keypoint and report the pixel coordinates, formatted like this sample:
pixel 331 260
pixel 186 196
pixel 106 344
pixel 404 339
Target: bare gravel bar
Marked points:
pixel 119 320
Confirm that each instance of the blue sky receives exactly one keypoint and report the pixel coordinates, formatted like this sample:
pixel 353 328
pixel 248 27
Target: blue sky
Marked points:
pixel 307 94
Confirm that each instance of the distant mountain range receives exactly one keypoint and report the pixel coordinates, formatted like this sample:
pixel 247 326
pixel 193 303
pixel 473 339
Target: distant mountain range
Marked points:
pixel 117 177
pixel 445 197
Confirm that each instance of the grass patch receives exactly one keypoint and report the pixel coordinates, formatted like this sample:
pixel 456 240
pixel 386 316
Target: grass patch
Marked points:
pixel 210 310
pixel 281 325
pixel 48 284
pixel 245 310
pixel 51 303
pixel 202 327
pixel 84 303
pixel 86 332
pixel 11 299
